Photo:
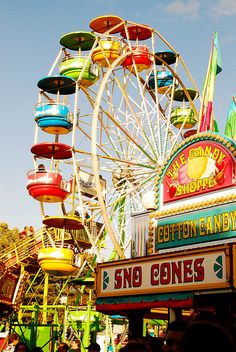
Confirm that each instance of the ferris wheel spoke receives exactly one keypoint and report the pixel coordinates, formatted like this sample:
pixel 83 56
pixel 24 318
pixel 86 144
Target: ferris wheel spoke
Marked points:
pixel 137 189
pixel 141 110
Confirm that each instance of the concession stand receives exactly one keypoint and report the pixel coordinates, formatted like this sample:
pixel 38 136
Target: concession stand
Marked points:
pixel 183 254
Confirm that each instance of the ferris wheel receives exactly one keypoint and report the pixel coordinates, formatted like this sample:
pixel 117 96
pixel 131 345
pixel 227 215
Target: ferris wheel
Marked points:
pixel 110 111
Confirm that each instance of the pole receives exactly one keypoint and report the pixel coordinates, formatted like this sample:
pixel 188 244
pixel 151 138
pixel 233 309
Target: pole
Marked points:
pixel 45 299
pixel 86 336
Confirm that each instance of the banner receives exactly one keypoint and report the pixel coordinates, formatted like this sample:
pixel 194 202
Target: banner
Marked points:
pixel 206 122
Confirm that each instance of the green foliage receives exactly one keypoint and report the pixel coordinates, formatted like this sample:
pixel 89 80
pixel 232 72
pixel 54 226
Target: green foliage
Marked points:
pixel 7 236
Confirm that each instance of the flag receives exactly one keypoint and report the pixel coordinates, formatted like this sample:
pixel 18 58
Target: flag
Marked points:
pixel 206 122
pixel 230 127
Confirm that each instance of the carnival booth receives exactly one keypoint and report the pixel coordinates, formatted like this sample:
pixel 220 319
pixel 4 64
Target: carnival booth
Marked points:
pixel 187 244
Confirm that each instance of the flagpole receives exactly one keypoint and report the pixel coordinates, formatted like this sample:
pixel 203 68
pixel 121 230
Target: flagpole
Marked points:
pixel 214 67
pixel 201 114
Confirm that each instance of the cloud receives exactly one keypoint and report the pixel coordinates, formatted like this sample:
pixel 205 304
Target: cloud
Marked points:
pixel 188 8
pixel 224 8
pixel 228 38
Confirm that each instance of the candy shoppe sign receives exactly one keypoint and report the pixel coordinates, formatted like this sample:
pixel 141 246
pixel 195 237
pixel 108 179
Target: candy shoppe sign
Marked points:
pixel 201 167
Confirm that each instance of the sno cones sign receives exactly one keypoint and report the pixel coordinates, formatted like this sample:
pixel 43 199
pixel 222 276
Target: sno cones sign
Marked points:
pixel 206 122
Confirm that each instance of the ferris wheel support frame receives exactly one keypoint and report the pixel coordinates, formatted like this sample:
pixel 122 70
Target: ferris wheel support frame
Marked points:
pixel 94 155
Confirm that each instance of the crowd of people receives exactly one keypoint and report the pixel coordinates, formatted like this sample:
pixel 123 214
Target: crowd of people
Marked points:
pixel 15 345
pixel 195 335
pixel 27 232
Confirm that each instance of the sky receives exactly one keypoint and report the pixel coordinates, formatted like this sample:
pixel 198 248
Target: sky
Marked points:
pixel 30 42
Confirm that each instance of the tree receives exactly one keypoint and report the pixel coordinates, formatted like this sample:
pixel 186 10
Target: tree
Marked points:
pixel 7 236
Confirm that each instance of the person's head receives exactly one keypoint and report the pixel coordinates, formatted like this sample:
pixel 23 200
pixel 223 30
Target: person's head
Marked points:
pixel 13 339
pixel 75 344
pixel 153 343
pixel 135 346
pixel 37 349
pixel 63 347
pixel 41 167
pixel 174 334
pixel 207 336
pixel 202 315
pixel 93 347
pixel 21 347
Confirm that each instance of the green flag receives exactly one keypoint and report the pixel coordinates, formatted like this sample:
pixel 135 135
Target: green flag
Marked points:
pixel 230 127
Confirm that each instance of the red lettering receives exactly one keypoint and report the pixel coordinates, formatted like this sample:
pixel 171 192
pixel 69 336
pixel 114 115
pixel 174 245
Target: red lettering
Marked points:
pixel 176 272
pixel 188 272
pixel 199 270
pixel 128 277
pixel 155 274
pixel 137 276
pixel 179 272
pixel 118 279
pixel 165 274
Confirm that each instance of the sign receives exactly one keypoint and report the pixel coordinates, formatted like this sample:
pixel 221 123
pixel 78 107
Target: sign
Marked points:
pixel 190 271
pixel 206 225
pixel 20 290
pixel 87 184
pixel 199 168
pixel 234 265
pixel 8 284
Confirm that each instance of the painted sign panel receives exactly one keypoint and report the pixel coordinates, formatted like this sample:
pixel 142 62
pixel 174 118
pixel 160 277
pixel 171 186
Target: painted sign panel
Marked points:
pixel 234 266
pixel 7 287
pixel 206 225
pixel 201 167
pixel 87 183
pixel 164 273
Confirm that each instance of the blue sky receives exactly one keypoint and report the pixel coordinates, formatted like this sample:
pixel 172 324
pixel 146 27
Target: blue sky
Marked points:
pixel 30 33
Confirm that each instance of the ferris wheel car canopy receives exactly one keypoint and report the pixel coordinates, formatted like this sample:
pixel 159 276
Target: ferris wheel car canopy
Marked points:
pixel 189 133
pixel 180 94
pixel 67 222
pixel 57 84
pixel 168 57
pixel 78 40
pixel 104 24
pixel 53 150
pixel 137 32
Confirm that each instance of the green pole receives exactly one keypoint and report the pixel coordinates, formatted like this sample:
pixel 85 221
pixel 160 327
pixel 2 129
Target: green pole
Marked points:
pixel 86 337
pixel 45 298
pixel 144 327
pixel 33 325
